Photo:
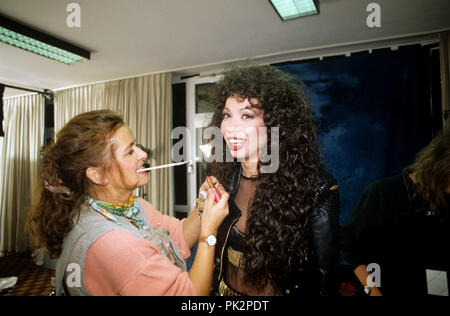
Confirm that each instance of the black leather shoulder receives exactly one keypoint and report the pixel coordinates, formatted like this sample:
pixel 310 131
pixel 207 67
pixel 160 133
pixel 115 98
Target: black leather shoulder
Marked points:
pixel 328 187
pixel 323 233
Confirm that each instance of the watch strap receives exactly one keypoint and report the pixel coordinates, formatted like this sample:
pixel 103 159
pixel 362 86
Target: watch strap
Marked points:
pixel 204 238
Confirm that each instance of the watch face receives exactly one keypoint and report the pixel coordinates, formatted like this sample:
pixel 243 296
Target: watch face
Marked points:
pixel 211 240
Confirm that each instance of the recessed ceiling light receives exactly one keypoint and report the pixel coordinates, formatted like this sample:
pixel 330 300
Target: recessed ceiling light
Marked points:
pixel 24 37
pixel 291 9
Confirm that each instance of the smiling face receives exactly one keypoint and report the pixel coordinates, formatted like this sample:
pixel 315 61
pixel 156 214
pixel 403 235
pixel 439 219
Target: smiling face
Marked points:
pixel 240 128
pixel 123 177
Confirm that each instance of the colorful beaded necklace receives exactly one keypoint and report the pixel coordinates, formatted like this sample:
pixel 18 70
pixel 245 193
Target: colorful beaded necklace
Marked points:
pixel 129 210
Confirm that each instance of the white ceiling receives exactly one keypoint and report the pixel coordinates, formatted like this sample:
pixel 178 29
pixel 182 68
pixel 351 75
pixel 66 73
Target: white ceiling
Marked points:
pixel 135 37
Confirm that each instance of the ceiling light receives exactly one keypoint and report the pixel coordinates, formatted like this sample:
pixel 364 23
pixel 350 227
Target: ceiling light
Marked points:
pixel 21 36
pixel 291 9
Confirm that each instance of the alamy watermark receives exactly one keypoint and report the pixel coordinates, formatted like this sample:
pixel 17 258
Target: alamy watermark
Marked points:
pixel 374 18
pixel 213 151
pixel 374 277
pixel 73 278
pixel 74 17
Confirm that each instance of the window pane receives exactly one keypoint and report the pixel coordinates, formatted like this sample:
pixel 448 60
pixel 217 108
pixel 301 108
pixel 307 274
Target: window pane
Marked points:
pixel 203 98
pixel 179 120
pixel 201 152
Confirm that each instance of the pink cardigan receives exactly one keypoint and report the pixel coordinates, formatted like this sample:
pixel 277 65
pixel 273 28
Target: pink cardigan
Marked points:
pixel 119 263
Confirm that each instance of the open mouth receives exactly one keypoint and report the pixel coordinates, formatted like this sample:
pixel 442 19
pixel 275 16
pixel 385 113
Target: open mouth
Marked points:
pixel 236 143
pixel 144 166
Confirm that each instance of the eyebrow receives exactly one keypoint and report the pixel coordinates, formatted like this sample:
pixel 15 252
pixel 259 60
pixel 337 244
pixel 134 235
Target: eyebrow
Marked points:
pixel 248 107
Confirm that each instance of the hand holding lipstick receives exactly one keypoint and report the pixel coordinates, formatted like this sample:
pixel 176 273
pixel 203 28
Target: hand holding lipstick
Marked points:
pixel 201 272
pixel 210 183
pixel 216 209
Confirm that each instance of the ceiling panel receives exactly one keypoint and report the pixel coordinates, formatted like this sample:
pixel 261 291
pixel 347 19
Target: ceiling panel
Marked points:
pixel 135 37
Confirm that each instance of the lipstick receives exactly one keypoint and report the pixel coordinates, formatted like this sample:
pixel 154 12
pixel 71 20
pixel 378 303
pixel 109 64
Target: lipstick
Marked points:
pixel 217 195
pixel 236 143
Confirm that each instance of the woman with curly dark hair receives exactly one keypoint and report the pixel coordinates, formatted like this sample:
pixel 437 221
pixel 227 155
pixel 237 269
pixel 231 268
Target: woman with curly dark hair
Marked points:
pixel 279 237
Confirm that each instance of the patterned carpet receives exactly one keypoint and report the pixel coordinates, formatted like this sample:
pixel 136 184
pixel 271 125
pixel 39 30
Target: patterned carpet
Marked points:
pixel 32 279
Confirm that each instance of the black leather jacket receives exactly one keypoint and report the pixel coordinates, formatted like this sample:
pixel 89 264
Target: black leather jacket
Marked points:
pixel 322 276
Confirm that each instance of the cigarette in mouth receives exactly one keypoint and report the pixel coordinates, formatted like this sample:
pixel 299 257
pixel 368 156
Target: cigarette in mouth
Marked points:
pixel 164 166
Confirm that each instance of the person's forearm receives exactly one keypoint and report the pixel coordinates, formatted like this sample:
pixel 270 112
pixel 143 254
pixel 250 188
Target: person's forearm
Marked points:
pixel 362 274
pixel 191 228
pixel 201 272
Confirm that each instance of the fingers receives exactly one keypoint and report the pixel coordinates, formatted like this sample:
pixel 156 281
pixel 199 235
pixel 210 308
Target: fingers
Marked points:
pixel 217 183
pixel 205 187
pixel 221 189
pixel 214 213
pixel 210 200
pixel 224 198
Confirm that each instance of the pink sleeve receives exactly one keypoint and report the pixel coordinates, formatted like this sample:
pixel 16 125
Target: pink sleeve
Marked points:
pixel 119 263
pixel 175 226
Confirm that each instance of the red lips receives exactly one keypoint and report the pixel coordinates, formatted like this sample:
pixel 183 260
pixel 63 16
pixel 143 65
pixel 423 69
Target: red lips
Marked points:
pixel 236 143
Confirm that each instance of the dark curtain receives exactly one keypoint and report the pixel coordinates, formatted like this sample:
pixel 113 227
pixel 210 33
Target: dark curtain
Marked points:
pixel 372 111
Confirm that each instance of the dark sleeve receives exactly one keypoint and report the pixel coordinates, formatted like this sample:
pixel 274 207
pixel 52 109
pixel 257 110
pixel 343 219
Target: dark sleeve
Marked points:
pixel 323 230
pixel 359 236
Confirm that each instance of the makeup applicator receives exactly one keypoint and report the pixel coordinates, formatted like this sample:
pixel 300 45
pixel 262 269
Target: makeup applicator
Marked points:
pixel 164 166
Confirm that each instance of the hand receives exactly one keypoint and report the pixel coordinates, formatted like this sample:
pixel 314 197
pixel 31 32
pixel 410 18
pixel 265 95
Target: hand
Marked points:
pixel 205 186
pixel 214 213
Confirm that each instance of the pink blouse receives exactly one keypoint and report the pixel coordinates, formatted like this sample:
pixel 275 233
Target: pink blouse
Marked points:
pixel 119 263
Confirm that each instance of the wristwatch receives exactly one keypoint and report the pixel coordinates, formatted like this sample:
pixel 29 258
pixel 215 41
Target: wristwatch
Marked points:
pixel 368 289
pixel 211 240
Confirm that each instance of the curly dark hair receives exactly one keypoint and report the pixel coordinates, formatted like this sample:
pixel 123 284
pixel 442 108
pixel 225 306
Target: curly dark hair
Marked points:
pixel 278 213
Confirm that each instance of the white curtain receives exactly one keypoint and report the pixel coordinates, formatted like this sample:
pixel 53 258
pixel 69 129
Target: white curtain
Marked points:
pixel 24 133
pixel 445 77
pixel 1 176
pixel 71 102
pixel 145 104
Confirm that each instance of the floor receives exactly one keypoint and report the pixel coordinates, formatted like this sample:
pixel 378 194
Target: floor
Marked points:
pixel 33 280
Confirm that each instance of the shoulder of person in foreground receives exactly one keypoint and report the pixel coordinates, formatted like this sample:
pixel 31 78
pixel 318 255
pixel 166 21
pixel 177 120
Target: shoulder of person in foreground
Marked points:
pixel 326 197
pixel 372 216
